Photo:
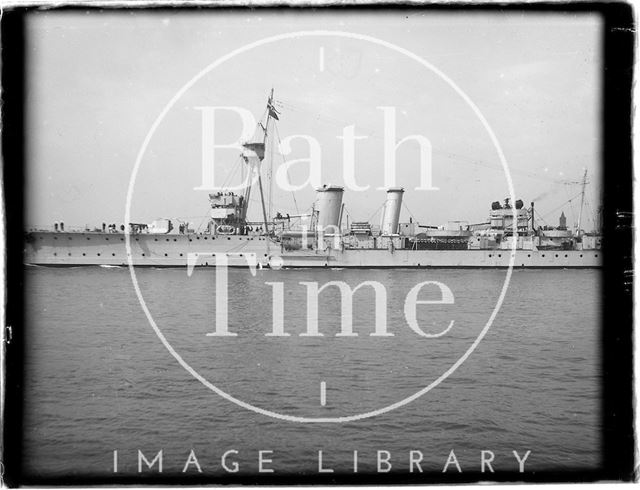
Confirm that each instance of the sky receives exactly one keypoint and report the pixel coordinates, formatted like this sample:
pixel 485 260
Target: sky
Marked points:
pixel 97 81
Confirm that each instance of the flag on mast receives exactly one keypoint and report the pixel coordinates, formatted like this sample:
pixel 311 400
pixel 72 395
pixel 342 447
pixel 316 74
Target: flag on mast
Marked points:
pixel 273 112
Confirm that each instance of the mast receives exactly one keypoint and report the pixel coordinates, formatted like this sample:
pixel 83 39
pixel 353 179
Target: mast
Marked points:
pixel 258 148
pixel 584 185
pixel 264 210
pixel 270 112
pixel 247 191
pixel 270 172
pixel 533 223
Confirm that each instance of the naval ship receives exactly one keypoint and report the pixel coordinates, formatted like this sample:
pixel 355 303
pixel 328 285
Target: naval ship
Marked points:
pixel 321 238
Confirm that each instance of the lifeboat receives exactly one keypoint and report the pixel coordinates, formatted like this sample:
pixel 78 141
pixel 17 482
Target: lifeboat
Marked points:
pixel 226 230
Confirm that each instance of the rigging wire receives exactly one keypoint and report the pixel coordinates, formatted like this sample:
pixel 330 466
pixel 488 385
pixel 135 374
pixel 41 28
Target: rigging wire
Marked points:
pixel 269 176
pixel 573 214
pixel 234 169
pixel 259 125
pixel 411 215
pixel 201 223
pixel 295 202
pixel 542 216
pixel 590 213
pixel 456 157
pixel 375 212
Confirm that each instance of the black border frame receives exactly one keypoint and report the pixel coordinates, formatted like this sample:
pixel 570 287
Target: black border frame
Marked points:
pixel 617 313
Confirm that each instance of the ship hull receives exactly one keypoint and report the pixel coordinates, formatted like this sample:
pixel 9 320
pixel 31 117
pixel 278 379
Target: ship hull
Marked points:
pixel 151 250
pixel 164 250
pixel 447 259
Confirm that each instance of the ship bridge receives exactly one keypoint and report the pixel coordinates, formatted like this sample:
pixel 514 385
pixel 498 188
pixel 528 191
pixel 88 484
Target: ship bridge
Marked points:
pixel 502 216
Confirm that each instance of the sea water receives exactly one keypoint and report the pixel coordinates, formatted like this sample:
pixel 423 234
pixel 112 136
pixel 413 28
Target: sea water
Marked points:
pixel 99 379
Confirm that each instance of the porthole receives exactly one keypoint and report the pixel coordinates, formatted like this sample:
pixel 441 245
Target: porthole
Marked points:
pixel 88 238
pixel 596 256
pixel 190 239
pixel 175 240
pixel 122 239
pixel 490 255
pixel 106 239
pixel 543 255
pixel 165 255
pixel 113 255
pixel 98 255
pixel 580 255
pixel 499 255
pixel 528 255
pixel 197 238
pixel 228 238
pixel 69 254
pixel 70 238
pixel 565 256
pixel 55 237
pixel 55 254
pixel 84 254
pixel 205 238
pixel 155 239
pixel 143 255
pixel 180 255
pixel 556 255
